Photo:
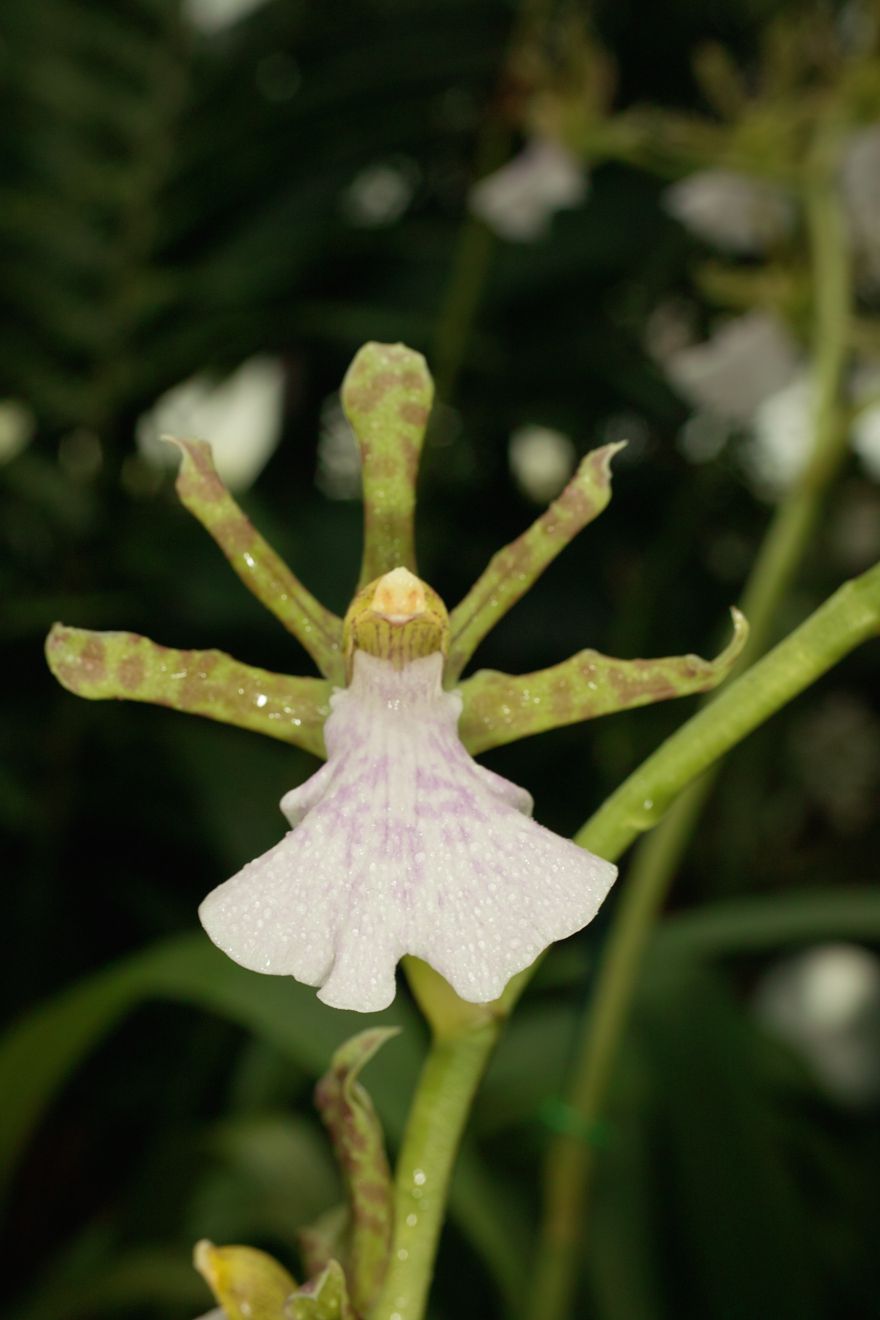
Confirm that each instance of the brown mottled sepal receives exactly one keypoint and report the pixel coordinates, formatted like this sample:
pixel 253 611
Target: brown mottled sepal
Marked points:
pixel 387 395
pixel 261 570
pixel 499 708
pixel 351 1120
pixel 513 570
pixel 248 1284
pixel 126 666
pixel 323 1298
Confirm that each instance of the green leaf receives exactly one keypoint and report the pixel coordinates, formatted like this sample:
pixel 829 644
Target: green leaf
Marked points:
pixel 261 570
pixel 126 666
pixel 248 1284
pixel 351 1120
pixel 729 1195
pixel 770 921
pixel 324 1298
pixel 40 1051
pixel 387 395
pixel 266 1174
pixel 499 708
pixel 513 570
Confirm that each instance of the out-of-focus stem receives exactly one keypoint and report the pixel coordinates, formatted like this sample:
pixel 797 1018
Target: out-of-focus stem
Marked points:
pixel 472 253
pixel 569 1161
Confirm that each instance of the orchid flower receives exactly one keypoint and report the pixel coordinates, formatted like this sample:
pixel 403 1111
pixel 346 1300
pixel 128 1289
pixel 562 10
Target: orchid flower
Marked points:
pixel 402 843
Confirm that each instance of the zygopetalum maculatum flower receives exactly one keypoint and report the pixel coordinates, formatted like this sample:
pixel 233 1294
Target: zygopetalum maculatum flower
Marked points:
pixel 401 843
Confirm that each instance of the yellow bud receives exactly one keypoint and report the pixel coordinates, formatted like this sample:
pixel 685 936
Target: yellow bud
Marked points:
pixel 248 1284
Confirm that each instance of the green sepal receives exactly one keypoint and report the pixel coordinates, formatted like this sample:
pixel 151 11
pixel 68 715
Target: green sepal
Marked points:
pixel 513 570
pixel 324 1240
pixel 324 1298
pixel 348 1114
pixel 247 1283
pixel 128 667
pixel 387 395
pixel 499 708
pixel 262 571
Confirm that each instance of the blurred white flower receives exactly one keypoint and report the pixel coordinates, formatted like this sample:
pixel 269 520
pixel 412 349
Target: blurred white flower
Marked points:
pixel 240 417
pixel 782 436
pixel 520 200
pixel 338 474
pixel 380 194
pixel 737 213
pixel 741 365
pixel 541 460
pixel 826 1003
pixel 17 426
pixel 214 15
pixel 866 424
pixel 861 184
pixel 866 440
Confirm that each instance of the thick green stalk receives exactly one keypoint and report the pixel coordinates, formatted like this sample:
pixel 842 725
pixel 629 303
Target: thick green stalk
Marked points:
pixel 436 1122
pixel 459 1056
pixel 460 1053
pixel 569 1161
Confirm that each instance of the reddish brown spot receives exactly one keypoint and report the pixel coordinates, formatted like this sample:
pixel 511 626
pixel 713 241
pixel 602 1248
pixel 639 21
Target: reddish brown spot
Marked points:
pixel 130 672
pixel 561 699
pixel 195 694
pixel 376 1193
pixel 575 503
pixel 415 414
pixel 410 452
pixel 381 467
pixel 92 659
pixel 357 1139
pixel 235 533
pixel 370 1223
pixel 640 684
pixel 365 396
pixel 412 380
pixel 68 675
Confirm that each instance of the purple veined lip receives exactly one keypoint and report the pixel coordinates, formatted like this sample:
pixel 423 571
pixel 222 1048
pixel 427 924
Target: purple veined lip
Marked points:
pixel 402 844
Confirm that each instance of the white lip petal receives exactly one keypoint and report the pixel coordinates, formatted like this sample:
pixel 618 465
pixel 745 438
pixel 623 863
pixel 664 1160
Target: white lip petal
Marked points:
pixel 404 845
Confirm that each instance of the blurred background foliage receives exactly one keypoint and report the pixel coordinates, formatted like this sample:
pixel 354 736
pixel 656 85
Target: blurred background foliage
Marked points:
pixel 192 186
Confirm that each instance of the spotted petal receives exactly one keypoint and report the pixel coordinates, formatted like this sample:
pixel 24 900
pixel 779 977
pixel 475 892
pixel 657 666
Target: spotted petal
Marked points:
pixel 402 844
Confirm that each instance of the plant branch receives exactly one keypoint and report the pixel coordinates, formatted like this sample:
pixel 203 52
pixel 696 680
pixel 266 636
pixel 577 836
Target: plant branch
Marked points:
pixel 643 799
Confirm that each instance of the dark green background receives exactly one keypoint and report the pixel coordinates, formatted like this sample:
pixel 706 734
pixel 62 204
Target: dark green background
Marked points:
pixel 172 202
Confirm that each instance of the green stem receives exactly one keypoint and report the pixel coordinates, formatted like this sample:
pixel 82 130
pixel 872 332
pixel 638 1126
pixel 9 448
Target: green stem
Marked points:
pixel 436 1122
pixel 848 618
pixel 642 800
pixel 459 1056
